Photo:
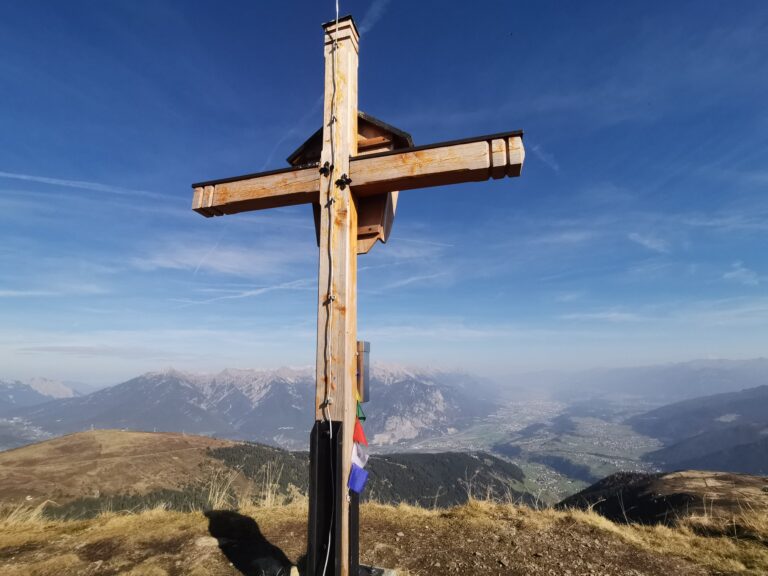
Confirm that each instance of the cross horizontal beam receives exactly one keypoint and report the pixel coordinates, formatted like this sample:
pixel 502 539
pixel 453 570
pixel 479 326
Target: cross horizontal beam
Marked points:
pixel 273 189
pixel 470 160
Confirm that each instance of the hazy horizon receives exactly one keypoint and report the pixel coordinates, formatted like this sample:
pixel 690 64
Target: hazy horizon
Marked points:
pixel 509 378
pixel 632 238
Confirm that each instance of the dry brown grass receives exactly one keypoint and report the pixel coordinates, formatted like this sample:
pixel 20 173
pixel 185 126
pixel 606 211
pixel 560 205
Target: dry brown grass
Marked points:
pixel 159 542
pixel 105 462
pixel 219 488
pixel 710 542
pixel 22 514
pixel 749 523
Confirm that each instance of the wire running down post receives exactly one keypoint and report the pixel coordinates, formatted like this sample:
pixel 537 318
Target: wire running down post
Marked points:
pixel 332 548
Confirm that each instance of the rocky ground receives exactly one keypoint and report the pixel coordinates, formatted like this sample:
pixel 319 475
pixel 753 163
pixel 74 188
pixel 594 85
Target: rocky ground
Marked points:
pixel 478 538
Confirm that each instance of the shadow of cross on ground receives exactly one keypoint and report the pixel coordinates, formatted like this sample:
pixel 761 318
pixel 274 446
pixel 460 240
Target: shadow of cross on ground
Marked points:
pixel 242 542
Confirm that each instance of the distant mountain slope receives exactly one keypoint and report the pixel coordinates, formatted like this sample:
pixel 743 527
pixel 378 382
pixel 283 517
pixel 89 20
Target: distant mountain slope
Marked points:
pixel 667 498
pixel 440 479
pixel 676 422
pixel 51 388
pixel 725 432
pixel 676 456
pixel 105 462
pixel 166 401
pixel 444 479
pixel 87 470
pixel 668 382
pixel 15 395
pixel 274 407
pixel 749 458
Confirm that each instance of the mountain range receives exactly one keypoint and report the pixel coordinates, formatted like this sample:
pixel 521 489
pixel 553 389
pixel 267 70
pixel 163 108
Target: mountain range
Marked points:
pixel 15 394
pixel 269 406
pixel 719 432
pixel 410 408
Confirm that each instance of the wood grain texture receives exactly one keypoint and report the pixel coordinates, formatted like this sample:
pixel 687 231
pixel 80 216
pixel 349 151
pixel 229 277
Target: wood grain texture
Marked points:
pixel 516 152
pixel 499 158
pixel 376 142
pixel 337 316
pixel 438 166
pixel 285 188
pixel 375 217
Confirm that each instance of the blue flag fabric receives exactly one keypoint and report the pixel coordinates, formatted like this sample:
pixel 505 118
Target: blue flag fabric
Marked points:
pixel 357 479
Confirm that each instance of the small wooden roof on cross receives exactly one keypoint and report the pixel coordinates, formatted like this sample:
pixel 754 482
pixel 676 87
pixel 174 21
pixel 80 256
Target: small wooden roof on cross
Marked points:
pixel 373 135
pixel 375 213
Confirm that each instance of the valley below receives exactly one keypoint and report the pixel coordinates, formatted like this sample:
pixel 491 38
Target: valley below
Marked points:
pixel 560 450
pixel 564 432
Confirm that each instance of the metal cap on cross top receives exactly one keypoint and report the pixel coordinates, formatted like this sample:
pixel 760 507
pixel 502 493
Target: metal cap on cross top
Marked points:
pixel 350 171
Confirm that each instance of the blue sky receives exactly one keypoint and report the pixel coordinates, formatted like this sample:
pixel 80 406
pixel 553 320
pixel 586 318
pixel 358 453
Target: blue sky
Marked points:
pixel 636 235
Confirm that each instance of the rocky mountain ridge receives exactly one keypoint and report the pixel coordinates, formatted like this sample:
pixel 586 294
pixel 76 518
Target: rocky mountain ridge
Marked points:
pixel 15 393
pixel 272 406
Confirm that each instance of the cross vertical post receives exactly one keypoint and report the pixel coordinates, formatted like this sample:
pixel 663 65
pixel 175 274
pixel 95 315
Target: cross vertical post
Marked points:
pixel 335 403
pixel 342 182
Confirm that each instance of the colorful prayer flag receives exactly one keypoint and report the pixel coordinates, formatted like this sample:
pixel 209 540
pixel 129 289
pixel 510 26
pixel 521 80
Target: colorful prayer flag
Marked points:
pixel 360 413
pixel 357 479
pixel 359 455
pixel 358 435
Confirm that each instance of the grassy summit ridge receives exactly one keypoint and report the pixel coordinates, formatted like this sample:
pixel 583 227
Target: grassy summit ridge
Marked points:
pixel 85 473
pixel 479 537
pixel 253 501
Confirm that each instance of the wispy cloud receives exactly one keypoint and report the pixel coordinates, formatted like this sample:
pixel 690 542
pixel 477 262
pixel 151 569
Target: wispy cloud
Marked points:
pixel 374 14
pixel 26 293
pixel 127 353
pixel 604 316
pixel 727 222
pixel 414 280
pixel 608 193
pixel 301 284
pixel 459 330
pixel 545 157
pixel 413 249
pixel 568 296
pixel 54 205
pixel 741 274
pixel 66 290
pixel 727 312
pixel 193 255
pixel 650 269
pixel 564 237
pixel 650 242
pixel 663 317
pixel 315 111
pixel 210 251
pixel 83 185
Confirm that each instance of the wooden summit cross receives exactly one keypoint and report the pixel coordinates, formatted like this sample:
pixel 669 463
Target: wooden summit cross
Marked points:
pixel 350 171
